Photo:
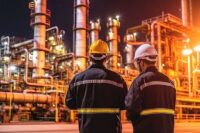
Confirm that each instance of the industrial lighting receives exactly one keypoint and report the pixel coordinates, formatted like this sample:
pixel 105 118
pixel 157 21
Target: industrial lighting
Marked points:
pixel 109 18
pixel 78 63
pixel 111 35
pixel 13 68
pixel 118 64
pixel 187 40
pixel 135 34
pixel 187 51
pixel 51 38
pixel 5 43
pixel 6 59
pixel 197 48
pixel 117 17
pixel 1 70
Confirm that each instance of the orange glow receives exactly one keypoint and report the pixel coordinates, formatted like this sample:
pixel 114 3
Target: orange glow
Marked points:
pixel 187 51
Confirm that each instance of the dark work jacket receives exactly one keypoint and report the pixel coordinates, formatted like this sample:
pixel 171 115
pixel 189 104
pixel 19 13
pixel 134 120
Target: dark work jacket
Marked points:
pixel 97 88
pixel 151 90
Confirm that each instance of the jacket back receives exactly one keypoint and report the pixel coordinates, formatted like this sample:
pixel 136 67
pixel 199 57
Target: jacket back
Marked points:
pixel 98 94
pixel 151 101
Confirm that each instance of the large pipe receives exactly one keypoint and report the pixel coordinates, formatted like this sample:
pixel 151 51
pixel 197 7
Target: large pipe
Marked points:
pixel 40 22
pixel 95 27
pixel 129 48
pixel 113 25
pixel 80 31
pixel 25 98
pixel 159 46
pixel 190 13
pixel 41 77
pixel 129 55
pixel 21 44
pixel 184 12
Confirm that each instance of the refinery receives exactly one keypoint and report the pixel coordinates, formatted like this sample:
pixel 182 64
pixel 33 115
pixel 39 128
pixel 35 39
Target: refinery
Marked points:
pixel 35 73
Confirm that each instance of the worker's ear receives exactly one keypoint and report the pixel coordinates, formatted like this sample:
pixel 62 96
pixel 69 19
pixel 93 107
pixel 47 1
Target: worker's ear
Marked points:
pixel 142 63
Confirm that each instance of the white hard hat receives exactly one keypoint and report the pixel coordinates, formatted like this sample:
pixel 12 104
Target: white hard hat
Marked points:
pixel 146 52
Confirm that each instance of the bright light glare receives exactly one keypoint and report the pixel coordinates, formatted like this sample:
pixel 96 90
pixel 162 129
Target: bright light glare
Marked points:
pixel 118 64
pixel 51 38
pixel 117 17
pixel 187 40
pixel 13 68
pixel 187 51
pixel 5 43
pixel 78 63
pixel 197 48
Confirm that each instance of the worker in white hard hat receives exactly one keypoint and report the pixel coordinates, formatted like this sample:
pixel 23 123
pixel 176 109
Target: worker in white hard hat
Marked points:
pixel 98 94
pixel 150 102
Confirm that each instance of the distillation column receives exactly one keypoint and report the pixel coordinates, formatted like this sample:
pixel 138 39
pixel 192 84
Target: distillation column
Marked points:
pixel 80 31
pixel 95 27
pixel 112 38
pixel 40 20
pixel 129 48
pixel 184 12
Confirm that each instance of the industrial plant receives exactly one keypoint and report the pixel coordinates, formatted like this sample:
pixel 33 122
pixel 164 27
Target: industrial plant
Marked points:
pixel 35 73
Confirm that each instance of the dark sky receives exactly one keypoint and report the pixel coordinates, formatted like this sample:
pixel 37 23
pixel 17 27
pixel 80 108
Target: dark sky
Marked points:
pixel 14 14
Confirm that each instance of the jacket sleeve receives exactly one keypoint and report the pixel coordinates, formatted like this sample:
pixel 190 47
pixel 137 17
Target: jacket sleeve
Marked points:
pixel 133 103
pixel 123 95
pixel 71 97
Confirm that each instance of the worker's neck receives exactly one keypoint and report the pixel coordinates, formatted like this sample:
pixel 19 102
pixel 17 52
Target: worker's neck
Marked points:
pixel 145 66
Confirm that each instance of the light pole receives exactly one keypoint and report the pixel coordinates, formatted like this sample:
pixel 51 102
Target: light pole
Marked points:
pixel 188 52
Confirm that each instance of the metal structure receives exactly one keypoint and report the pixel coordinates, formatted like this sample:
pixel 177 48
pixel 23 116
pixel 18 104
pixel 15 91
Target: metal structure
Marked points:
pixel 170 37
pixel 113 39
pixel 80 31
pixel 34 73
pixel 95 27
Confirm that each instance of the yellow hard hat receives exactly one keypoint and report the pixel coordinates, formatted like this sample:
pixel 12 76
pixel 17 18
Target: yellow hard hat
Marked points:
pixel 99 47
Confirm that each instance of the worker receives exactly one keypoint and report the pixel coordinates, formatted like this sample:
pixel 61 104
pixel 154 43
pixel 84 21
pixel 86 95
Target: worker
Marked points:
pixel 97 94
pixel 150 102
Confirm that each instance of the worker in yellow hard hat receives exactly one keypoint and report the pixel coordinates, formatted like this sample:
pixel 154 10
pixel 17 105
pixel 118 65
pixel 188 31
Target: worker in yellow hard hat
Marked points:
pixel 150 102
pixel 97 94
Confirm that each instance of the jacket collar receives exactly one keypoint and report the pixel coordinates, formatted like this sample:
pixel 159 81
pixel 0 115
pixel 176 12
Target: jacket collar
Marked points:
pixel 150 69
pixel 97 65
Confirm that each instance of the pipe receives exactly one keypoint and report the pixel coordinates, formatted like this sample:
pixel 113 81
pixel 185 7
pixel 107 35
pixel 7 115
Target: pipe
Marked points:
pixel 129 55
pixel 80 30
pixel 4 82
pixel 152 33
pixel 63 58
pixel 190 13
pixel 113 25
pixel 25 98
pixel 17 108
pixel 159 45
pixel 184 12
pixel 22 44
pixel 94 30
pixel 26 74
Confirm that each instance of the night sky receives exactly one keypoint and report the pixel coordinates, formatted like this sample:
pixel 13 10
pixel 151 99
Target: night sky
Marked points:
pixel 14 14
